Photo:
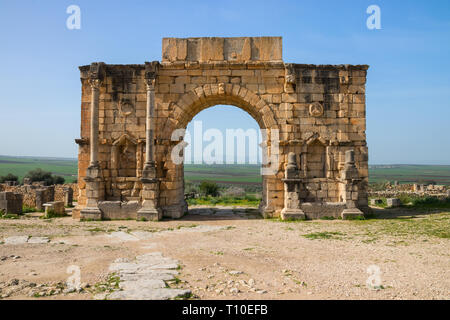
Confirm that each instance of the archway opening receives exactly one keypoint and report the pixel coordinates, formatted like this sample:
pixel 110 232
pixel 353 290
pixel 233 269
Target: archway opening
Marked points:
pixel 222 161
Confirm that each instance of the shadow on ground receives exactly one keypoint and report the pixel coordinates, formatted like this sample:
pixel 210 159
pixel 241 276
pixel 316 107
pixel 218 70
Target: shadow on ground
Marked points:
pixel 402 212
pixel 221 213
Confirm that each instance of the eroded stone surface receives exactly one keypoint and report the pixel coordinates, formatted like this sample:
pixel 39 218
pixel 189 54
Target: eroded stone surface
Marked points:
pixel 26 239
pixel 145 278
pixel 16 240
pixel 40 240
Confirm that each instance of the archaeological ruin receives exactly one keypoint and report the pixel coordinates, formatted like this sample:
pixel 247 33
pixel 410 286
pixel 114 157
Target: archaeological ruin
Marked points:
pixel 313 116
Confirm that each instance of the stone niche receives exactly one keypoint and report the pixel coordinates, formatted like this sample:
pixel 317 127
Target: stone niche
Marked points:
pixel 316 112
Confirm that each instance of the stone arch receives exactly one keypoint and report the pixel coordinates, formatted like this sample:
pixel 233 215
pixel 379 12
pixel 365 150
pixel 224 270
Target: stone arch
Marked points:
pixel 193 102
pixel 205 96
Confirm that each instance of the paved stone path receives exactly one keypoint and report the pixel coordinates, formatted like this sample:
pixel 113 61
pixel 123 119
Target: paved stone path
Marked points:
pixel 25 239
pixel 145 235
pixel 145 278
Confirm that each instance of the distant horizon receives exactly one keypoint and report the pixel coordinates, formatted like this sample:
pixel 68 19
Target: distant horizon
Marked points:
pixel 224 164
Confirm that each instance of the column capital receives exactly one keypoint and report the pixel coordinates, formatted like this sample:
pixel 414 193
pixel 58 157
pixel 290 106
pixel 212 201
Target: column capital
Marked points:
pixel 151 71
pixel 150 84
pixel 95 83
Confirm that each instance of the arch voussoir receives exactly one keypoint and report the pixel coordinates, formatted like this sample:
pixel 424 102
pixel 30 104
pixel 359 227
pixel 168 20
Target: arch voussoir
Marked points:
pixel 207 95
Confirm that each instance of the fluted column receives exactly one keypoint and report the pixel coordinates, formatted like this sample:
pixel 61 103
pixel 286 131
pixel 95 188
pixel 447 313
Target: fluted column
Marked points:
pixel 149 167
pixel 150 184
pixel 95 84
pixel 93 179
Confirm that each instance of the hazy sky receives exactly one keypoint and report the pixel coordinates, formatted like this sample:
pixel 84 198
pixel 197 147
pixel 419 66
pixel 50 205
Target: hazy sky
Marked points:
pixel 408 86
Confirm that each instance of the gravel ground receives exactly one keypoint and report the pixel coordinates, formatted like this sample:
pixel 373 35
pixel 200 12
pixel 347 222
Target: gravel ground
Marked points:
pixel 231 253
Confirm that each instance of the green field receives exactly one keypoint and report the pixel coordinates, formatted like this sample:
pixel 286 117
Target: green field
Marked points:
pixel 19 166
pixel 406 173
pixel 229 174
pixel 246 175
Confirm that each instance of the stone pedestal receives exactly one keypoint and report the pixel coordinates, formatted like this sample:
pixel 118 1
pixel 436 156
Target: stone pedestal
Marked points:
pixel 55 207
pixel 68 197
pixel 350 178
pixel 292 208
pixel 150 193
pixel 94 193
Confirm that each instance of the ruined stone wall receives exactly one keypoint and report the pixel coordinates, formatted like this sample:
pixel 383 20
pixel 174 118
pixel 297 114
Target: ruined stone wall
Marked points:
pixel 60 191
pixel 35 196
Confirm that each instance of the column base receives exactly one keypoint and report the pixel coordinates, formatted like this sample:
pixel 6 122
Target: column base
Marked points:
pixel 351 213
pixel 90 213
pixel 292 214
pixel 149 214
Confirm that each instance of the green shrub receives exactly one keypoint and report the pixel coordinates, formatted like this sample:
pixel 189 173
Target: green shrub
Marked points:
pixel 26 209
pixel 9 177
pixel 40 175
pixel 209 188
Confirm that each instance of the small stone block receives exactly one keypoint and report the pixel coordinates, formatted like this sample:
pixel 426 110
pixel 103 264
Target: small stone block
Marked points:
pixel 393 202
pixel 292 214
pixel 90 214
pixel 149 214
pixel 374 202
pixel 348 214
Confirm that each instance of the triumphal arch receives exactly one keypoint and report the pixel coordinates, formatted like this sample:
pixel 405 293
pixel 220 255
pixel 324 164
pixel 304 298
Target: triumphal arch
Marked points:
pixel 313 116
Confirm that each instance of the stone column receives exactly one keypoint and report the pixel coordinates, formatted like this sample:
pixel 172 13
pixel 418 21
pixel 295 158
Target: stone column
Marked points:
pixel 94 185
pixel 292 209
pixel 150 184
pixel 149 167
pixel 350 178
pixel 93 140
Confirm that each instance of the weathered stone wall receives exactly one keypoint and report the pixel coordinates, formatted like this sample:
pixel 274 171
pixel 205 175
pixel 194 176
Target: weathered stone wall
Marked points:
pixel 319 111
pixel 35 196
pixel 60 191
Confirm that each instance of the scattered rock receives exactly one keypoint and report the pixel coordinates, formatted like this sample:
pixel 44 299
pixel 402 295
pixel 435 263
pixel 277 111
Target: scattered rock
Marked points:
pixel 261 291
pixel 69 290
pixel 234 290
pixel 39 240
pixel 235 272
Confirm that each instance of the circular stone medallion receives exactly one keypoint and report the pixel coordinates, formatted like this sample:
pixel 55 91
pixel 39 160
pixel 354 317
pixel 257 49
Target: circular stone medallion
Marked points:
pixel 315 109
pixel 126 107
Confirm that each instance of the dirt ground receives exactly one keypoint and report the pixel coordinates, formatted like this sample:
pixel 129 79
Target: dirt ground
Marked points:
pixel 228 253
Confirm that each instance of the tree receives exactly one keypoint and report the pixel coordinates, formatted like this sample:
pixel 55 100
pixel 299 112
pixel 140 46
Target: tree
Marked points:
pixel 58 180
pixel 209 188
pixel 9 177
pixel 40 175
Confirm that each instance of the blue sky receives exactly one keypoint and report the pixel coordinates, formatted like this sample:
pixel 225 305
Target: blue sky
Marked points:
pixel 408 88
